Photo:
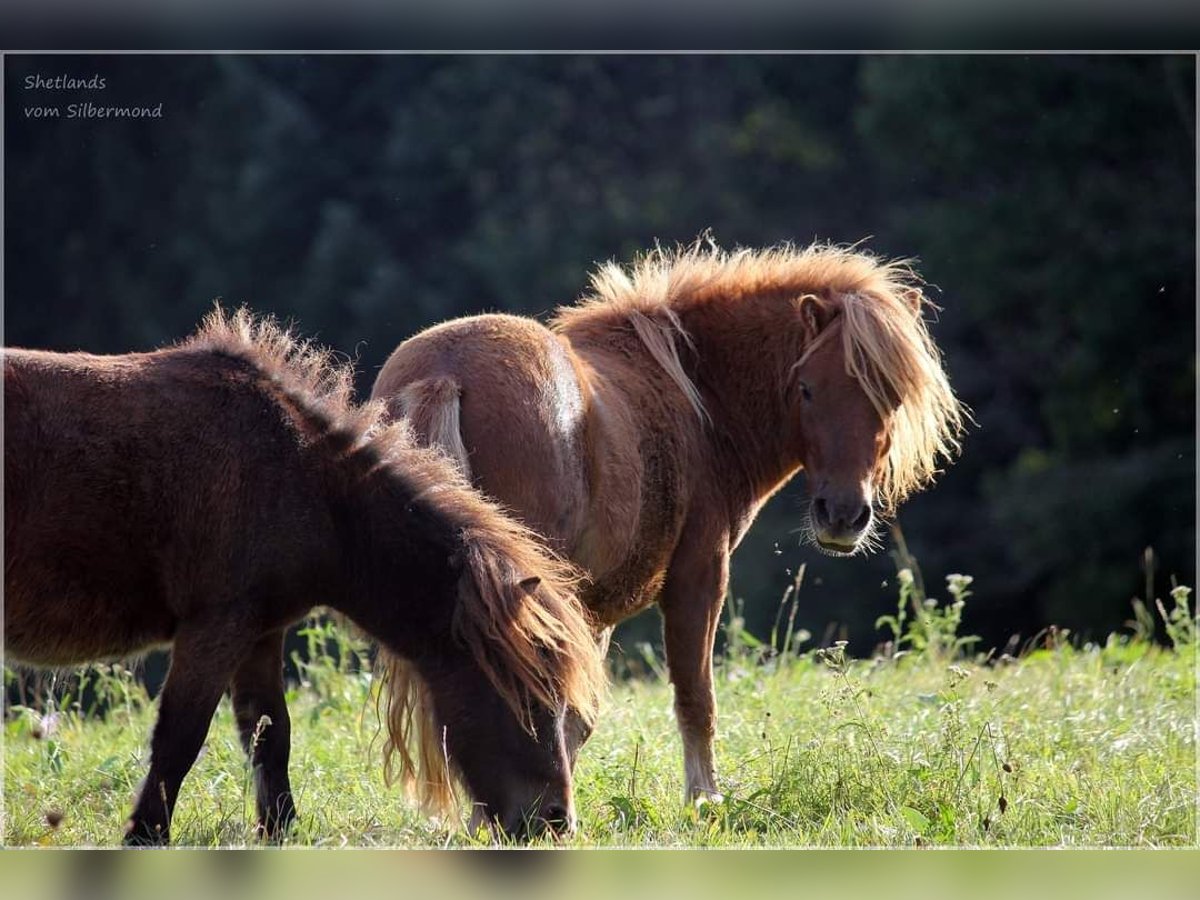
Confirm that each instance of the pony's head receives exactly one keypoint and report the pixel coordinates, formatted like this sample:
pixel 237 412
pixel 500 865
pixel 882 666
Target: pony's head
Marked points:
pixel 872 412
pixel 841 437
pixel 485 705
pixel 483 699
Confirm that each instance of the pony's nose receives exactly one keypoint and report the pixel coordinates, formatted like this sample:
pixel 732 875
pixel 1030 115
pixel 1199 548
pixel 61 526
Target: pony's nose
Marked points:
pixel 840 518
pixel 558 818
pixel 553 817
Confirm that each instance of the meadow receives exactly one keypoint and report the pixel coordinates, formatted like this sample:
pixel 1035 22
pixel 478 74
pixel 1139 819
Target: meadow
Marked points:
pixel 927 743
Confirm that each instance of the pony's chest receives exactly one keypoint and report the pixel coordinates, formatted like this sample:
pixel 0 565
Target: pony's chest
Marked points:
pixel 624 593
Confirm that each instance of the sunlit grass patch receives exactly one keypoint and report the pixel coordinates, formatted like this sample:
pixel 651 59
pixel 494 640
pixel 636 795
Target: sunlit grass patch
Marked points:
pixel 923 745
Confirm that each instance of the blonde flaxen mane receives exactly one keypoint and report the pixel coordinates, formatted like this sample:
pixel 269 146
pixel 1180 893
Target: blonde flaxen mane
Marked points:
pixel 534 643
pixel 878 305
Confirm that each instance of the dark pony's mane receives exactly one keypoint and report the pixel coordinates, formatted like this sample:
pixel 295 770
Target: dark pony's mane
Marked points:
pixel 878 303
pixel 534 645
pixel 309 379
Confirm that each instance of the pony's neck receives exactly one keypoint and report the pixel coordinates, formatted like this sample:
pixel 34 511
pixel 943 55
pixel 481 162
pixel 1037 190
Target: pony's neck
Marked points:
pixel 744 354
pixel 395 581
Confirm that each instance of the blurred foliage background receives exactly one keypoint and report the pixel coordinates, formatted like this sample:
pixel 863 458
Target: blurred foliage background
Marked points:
pixel 1049 199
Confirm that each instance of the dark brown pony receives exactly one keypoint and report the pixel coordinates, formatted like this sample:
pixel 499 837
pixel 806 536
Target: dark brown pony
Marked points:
pixel 642 431
pixel 208 495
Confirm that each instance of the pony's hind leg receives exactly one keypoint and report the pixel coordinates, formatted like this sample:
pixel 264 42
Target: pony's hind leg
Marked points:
pixel 202 661
pixel 262 720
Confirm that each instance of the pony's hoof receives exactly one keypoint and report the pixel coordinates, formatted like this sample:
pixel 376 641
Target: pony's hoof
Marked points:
pixel 143 834
pixel 273 828
pixel 706 800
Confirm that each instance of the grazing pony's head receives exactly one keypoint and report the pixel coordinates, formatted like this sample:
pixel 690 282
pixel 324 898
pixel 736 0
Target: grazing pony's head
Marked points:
pixel 483 643
pixel 486 704
pixel 837 336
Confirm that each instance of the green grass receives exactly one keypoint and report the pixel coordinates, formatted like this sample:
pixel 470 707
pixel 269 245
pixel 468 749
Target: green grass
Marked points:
pixel 1069 745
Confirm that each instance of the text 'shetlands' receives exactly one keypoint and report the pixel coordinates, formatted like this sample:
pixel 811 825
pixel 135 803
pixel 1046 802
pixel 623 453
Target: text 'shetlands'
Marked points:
pixel 40 82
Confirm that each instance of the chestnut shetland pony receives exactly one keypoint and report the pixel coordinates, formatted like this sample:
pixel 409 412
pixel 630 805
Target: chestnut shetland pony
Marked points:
pixel 642 431
pixel 210 494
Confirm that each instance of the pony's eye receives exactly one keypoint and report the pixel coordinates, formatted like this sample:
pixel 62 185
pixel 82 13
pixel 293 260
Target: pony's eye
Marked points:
pixel 805 390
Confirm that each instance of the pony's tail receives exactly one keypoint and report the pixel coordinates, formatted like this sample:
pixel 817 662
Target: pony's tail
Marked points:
pixel 433 407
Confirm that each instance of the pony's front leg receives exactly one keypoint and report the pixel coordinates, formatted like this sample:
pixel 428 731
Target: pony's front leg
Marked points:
pixel 691 606
pixel 265 728
pixel 202 662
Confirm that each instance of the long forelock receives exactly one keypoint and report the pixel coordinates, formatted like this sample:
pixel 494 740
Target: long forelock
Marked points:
pixel 888 349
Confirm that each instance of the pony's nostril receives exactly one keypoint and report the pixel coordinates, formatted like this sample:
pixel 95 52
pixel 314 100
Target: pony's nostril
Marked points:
pixel 862 520
pixel 557 817
pixel 821 510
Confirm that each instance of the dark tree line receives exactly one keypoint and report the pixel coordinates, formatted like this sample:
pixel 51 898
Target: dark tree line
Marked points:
pixel 1050 200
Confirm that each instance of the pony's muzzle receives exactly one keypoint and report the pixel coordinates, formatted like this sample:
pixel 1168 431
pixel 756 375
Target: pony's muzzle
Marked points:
pixel 839 524
pixel 553 818
pixel 556 818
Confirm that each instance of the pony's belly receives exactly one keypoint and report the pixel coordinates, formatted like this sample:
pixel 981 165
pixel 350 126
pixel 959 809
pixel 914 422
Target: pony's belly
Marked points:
pixel 53 629
pixel 63 651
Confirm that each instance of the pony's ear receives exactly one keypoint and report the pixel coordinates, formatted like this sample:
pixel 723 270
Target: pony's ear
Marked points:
pixel 913 297
pixel 530 584
pixel 813 314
